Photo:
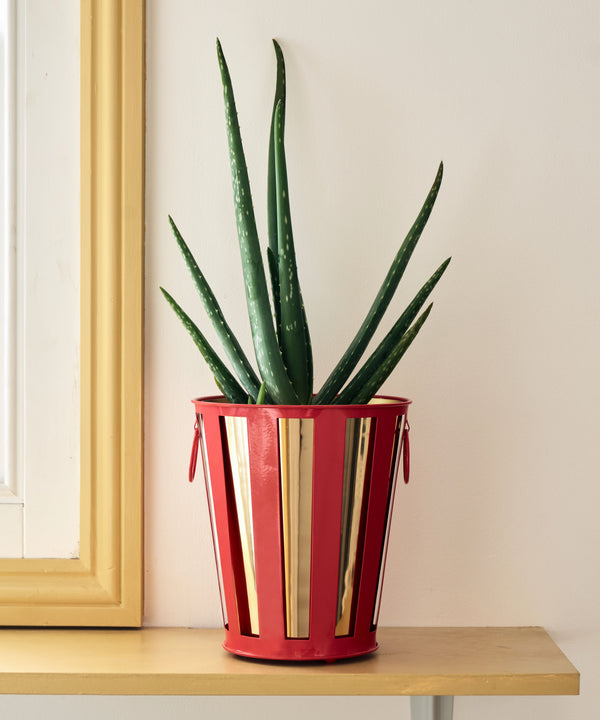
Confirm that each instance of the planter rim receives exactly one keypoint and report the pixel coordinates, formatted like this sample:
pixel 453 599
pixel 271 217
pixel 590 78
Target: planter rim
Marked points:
pixel 383 401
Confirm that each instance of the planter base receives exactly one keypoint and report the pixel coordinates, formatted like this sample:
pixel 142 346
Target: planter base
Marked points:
pixel 299 650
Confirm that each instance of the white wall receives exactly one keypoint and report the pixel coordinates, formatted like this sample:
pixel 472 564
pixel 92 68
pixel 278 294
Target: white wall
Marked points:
pixel 39 504
pixel 499 524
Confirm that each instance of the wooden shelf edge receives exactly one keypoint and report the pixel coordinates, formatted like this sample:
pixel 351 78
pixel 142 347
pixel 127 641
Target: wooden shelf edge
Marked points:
pixel 255 685
pixel 179 661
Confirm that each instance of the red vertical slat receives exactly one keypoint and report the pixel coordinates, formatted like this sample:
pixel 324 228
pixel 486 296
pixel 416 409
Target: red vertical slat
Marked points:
pixel 263 446
pixel 328 466
pixel 385 431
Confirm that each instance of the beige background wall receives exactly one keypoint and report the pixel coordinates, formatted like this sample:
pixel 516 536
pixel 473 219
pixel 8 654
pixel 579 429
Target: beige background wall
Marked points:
pixel 499 525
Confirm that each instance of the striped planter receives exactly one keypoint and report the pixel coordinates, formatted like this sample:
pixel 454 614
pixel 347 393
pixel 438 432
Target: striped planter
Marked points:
pixel 300 499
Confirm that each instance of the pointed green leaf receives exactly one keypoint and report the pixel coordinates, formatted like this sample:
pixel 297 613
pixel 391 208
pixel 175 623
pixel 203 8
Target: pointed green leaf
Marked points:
pixel 294 341
pixel 260 400
pixel 309 356
pixel 380 365
pixel 225 380
pixel 264 337
pixel 231 346
pixel 221 388
pixel 348 362
pixel 273 249
pixel 274 273
pixel 395 334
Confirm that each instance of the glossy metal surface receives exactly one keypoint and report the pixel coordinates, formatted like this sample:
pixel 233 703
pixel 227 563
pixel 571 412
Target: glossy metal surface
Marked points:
pixel 396 457
pixel 296 457
pixel 432 707
pixel 237 442
pixel 211 511
pixel 356 463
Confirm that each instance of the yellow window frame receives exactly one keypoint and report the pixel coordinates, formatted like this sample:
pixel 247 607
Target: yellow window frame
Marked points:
pixel 103 587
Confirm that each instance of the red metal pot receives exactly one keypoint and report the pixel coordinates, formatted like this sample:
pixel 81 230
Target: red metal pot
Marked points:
pixel 300 499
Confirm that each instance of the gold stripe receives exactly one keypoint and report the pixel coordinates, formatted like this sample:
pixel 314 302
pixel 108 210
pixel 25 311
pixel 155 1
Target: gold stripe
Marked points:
pixel 395 464
pixel 239 457
pixel 296 452
pixel 356 460
pixel 213 520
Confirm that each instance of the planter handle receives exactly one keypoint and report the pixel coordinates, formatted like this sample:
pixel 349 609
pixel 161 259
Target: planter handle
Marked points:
pixel 406 452
pixel 194 456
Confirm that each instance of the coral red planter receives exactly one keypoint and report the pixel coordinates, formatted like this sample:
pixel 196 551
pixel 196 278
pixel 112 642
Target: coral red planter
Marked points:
pixel 300 500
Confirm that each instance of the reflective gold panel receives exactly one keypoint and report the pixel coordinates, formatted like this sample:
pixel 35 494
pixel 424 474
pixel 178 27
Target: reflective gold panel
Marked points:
pixel 237 441
pixel 356 466
pixel 296 457
pixel 211 510
pixel 396 457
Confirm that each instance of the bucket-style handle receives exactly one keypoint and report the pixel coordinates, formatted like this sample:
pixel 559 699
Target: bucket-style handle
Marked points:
pixel 406 452
pixel 194 456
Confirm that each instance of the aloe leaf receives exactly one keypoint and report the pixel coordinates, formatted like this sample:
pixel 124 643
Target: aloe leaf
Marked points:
pixel 395 334
pixel 295 348
pixel 261 394
pixel 380 365
pixel 226 382
pixel 231 346
pixel 309 355
pixel 274 273
pixel 273 249
pixel 400 327
pixel 222 390
pixel 266 345
pixel 348 362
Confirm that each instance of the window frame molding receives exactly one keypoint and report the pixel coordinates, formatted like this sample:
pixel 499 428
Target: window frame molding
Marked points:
pixel 104 586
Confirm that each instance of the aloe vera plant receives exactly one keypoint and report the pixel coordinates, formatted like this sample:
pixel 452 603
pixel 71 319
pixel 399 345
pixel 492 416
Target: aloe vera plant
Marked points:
pixel 280 334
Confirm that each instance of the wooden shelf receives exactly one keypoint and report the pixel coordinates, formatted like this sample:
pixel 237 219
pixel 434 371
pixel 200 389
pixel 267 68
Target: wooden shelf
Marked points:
pixel 179 661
